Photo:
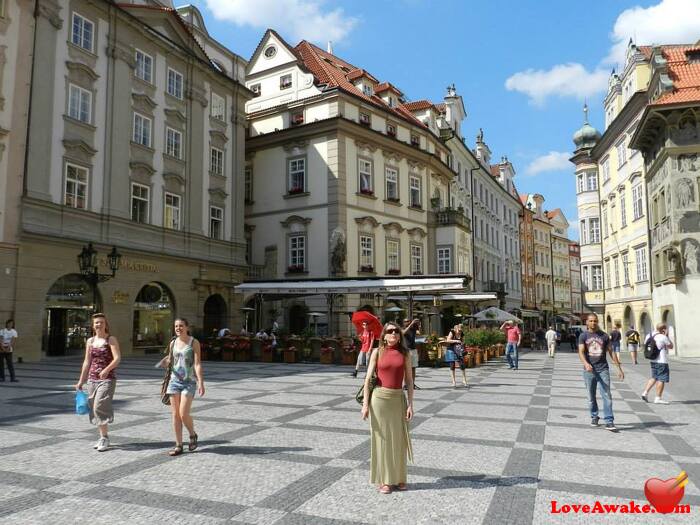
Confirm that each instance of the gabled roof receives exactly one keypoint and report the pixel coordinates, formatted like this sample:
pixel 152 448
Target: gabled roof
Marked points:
pixel 419 105
pixel 388 86
pixel 554 213
pixel 684 71
pixel 360 73
pixel 258 48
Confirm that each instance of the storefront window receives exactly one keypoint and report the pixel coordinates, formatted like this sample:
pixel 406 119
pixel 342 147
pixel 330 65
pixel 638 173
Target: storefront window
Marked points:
pixel 153 316
pixel 69 305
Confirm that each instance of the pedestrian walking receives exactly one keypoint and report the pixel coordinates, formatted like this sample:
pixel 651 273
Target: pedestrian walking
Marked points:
pixel 8 336
pixel 102 357
pixel 592 347
pixel 366 340
pixel 615 339
pixel 389 411
pixel 632 343
pixel 455 354
pixel 410 330
pixel 512 343
pixel 540 341
pixel 186 379
pixel 660 374
pixel 551 337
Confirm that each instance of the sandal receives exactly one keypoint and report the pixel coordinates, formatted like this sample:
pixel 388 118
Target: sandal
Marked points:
pixel 402 487
pixel 193 442
pixel 385 489
pixel 176 451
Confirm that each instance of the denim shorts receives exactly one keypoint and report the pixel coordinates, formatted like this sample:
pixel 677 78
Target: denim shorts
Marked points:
pixel 660 372
pixel 176 386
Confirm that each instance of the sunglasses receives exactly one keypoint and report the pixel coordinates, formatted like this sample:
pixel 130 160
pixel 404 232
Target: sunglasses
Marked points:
pixel 392 331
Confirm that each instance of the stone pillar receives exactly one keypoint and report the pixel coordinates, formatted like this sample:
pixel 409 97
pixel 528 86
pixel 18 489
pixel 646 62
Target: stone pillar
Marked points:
pixel 196 167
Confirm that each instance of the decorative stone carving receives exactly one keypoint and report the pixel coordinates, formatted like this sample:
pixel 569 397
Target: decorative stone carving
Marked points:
pixel 175 115
pixel 122 52
pixel 685 163
pixel 685 133
pixel 81 73
pixel 142 168
pixel 218 137
pixel 391 156
pixel 368 219
pixel 338 251
pixel 143 103
pixel 689 222
pixel 691 256
pixel 393 226
pixel 49 10
pixel 79 150
pixel 365 146
pixel 295 219
pixel 415 165
pixel 685 195
pixel 417 232
pixel 296 146
pixel 198 95
pixel 174 178
pixel 218 192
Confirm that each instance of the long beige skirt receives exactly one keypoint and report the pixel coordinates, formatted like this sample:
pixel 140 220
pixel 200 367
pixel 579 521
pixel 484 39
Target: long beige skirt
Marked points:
pixel 391 443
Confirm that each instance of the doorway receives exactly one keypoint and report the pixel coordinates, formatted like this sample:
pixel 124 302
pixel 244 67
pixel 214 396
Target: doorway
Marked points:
pixel 69 304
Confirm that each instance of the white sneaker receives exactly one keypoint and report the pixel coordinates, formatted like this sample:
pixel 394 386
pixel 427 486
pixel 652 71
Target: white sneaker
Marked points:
pixel 660 401
pixel 97 443
pixel 103 444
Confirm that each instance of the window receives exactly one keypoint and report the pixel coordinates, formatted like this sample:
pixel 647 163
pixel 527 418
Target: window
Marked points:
pixel 415 140
pixel 297 253
pixel 594 230
pixel 216 222
pixel 392 256
pixel 392 184
pixel 621 153
pixel 140 200
pixel 144 66
pixel 616 270
pixel 626 269
pixel 171 218
pixel 591 181
pixel 216 161
pixel 366 253
pixel 285 81
pixel 296 175
pixel 248 175
pixel 444 260
pixel 597 277
pixel 641 261
pixel 585 277
pixel 365 119
pixel 297 117
pixel 142 130
pixel 79 104
pixel 367 90
pixel 255 88
pixel 391 130
pixel 637 204
pixel 270 51
pixel 415 201
pixel 416 259
pixel 623 210
pixel 173 143
pixel 583 232
pixel 75 194
pixel 218 107
pixel 174 83
pixel 606 170
pixel 83 32
pixel 604 213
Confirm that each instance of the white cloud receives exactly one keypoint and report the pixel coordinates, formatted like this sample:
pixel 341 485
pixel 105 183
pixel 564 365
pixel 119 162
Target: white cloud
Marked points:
pixel 668 22
pixel 552 161
pixel 301 19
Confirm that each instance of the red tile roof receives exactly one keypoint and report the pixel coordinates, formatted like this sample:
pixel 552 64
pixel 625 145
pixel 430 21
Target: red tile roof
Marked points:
pixel 334 72
pixel 419 105
pixel 495 170
pixel 523 198
pixel 684 71
pixel 359 73
pixel 554 213
pixel 441 107
pixel 388 86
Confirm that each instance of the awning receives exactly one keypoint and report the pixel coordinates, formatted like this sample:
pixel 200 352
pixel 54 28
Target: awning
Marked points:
pixel 468 297
pixel 338 286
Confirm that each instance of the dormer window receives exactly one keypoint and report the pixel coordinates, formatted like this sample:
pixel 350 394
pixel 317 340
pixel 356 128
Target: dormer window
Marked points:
pixel 365 119
pixel 391 102
pixel 297 118
pixel 367 90
pixel 255 88
pixel 286 81
pixel 391 130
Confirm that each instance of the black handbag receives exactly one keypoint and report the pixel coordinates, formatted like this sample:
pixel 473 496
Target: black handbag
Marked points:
pixel 360 396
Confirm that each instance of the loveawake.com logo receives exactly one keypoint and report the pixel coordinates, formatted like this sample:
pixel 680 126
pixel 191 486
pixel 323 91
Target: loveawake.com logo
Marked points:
pixel 664 497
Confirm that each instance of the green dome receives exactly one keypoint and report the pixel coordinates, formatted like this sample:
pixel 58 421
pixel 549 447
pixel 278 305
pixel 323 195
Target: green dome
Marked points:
pixel 586 137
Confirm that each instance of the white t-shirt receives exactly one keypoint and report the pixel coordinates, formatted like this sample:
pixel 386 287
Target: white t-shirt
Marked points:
pixel 551 336
pixel 7 336
pixel 662 343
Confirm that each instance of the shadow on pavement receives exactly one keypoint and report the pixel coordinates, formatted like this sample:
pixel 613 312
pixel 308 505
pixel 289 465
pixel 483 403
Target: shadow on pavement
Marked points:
pixel 478 481
pixel 229 450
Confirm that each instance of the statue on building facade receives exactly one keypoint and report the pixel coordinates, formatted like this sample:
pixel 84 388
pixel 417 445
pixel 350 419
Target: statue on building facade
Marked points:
pixel 338 254
pixel 684 193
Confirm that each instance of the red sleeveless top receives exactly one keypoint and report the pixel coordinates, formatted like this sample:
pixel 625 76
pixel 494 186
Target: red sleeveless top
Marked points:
pixel 390 368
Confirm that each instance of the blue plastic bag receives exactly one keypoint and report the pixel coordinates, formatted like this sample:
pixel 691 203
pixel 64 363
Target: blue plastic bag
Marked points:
pixel 81 403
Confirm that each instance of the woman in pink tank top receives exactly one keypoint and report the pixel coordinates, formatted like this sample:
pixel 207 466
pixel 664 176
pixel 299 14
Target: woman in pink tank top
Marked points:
pixel 389 411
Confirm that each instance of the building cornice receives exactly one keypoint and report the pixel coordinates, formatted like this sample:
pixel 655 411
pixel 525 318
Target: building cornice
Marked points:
pixel 619 125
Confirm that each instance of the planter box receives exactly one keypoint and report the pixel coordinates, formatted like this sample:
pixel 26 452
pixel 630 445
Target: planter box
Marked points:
pixel 242 355
pixel 267 357
pixel 227 355
pixel 477 358
pixel 327 358
pixel 349 358
pixel 290 356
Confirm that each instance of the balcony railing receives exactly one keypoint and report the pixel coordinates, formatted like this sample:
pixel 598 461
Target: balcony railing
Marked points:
pixel 448 217
pixel 256 271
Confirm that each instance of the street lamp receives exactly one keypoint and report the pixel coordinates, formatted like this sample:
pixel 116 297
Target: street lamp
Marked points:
pixel 87 262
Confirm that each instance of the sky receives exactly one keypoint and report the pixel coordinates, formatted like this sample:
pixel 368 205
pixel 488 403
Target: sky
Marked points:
pixel 523 67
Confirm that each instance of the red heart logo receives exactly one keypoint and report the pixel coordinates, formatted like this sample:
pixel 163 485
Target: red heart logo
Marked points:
pixel 663 495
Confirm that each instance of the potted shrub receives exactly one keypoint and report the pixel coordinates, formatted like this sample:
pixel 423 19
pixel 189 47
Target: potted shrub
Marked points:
pixel 266 352
pixel 431 343
pixel 349 352
pixel 242 349
pixel 326 357
pixel 227 349
pixel 290 354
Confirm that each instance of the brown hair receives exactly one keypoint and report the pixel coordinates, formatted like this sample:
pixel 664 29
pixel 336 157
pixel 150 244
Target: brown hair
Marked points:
pixel 402 343
pixel 183 321
pixel 99 315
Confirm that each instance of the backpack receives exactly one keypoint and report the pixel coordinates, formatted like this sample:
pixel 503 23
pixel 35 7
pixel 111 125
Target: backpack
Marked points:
pixel 651 351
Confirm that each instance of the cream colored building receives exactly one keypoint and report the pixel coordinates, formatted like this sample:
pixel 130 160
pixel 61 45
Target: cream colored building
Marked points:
pixel 136 141
pixel 561 273
pixel 16 41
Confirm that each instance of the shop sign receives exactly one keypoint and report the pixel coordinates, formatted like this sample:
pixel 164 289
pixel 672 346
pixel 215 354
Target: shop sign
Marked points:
pixel 131 265
pixel 120 297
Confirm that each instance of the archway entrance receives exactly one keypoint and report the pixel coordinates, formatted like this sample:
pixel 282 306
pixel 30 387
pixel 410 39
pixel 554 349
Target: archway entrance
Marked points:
pixel 297 318
pixel 629 317
pixel 215 314
pixel 69 305
pixel 645 325
pixel 154 311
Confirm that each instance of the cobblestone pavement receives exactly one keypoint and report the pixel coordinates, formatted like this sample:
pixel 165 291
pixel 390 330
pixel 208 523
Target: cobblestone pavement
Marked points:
pixel 285 444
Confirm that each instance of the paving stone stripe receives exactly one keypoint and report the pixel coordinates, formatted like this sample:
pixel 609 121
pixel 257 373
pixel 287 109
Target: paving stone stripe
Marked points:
pixel 295 494
pixel 26 502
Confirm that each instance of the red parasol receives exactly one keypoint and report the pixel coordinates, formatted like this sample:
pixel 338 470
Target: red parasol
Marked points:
pixel 373 324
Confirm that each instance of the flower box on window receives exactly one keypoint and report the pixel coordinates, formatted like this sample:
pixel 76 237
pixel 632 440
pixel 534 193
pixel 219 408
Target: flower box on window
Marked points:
pixel 296 190
pixel 366 191
pixel 391 130
pixel 297 119
pixel 393 199
pixel 417 273
pixel 415 140
pixel 295 268
pixel 367 268
pixel 364 119
pixel 393 271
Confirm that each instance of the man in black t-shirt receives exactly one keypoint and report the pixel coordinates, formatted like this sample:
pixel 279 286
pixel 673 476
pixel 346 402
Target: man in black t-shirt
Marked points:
pixel 592 347
pixel 410 331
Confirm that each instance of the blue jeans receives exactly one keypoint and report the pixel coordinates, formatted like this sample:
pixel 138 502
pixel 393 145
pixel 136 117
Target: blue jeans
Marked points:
pixel 592 380
pixel 512 348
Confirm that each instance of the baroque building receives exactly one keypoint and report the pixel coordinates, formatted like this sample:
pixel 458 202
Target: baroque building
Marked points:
pixel 136 143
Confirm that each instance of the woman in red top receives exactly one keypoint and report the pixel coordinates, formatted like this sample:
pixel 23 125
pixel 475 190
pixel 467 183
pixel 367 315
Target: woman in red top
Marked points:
pixel 102 356
pixel 389 411
pixel 367 340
